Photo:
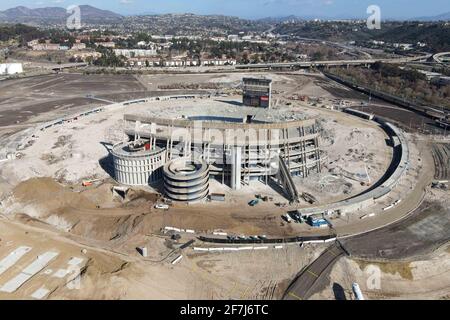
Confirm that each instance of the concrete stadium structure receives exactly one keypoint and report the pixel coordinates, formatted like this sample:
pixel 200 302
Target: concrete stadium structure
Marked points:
pixel 130 172
pixel 137 163
pixel 236 151
pixel 186 179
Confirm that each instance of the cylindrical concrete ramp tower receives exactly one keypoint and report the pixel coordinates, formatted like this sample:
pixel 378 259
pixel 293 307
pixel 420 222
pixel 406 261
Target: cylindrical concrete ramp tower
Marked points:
pixel 186 179
pixel 137 163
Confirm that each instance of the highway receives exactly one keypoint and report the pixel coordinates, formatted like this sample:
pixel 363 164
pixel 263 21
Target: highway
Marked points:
pixel 314 275
pixel 337 45
pixel 331 63
pixel 437 56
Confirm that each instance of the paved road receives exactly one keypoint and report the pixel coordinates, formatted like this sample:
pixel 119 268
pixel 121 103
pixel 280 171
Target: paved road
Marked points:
pixel 314 275
pixel 423 231
pixel 437 57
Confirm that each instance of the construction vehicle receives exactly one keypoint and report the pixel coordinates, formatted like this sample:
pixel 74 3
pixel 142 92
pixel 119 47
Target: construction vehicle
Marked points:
pixel 88 183
pixel 318 222
pixel 296 216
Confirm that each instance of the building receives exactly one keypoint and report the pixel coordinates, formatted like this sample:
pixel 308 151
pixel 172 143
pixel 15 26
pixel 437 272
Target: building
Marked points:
pixel 135 53
pixel 78 46
pixel 317 221
pixel 143 62
pixel 174 63
pixel 137 163
pixel 257 92
pixel 85 56
pixel 11 68
pixel 109 44
pixel 237 150
pixel 378 43
pixel 403 46
pixel 181 63
pixel 45 47
pixel 218 62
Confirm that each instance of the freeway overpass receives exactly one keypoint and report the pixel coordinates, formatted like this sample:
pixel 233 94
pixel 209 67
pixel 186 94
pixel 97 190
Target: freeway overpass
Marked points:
pixel 333 44
pixel 438 57
pixel 332 63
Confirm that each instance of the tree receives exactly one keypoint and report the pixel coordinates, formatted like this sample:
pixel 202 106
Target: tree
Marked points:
pixel 317 56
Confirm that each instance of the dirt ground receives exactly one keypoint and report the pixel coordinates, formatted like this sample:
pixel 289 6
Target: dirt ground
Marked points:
pixel 426 278
pixel 40 98
pixel 43 206
pixel 112 274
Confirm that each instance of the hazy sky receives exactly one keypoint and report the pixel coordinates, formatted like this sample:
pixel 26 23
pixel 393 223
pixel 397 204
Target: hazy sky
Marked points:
pixel 255 8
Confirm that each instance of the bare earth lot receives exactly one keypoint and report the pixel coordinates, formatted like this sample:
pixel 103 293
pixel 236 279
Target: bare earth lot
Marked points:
pixel 43 206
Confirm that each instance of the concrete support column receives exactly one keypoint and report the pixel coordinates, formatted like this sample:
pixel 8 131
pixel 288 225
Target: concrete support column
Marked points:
pixel 236 162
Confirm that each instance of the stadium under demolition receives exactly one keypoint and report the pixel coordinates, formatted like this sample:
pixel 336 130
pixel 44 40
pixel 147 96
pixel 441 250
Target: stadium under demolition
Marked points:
pixel 189 149
pixel 255 143
pixel 194 149
pixel 168 194
pixel 232 150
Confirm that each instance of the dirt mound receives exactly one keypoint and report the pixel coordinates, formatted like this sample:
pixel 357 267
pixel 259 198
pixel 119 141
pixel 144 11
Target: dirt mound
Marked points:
pixel 48 190
pixel 107 228
pixel 106 197
pixel 102 196
pixel 139 197
pixel 41 197
pixel 93 213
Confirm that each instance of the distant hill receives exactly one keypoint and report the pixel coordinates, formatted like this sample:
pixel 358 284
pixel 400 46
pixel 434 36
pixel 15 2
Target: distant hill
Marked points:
pixel 20 13
pixel 187 24
pixel 434 34
pixel 293 18
pixel 55 15
pixel 441 17
pixel 275 20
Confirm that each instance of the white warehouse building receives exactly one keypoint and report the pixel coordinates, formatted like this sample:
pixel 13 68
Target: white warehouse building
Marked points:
pixel 10 68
